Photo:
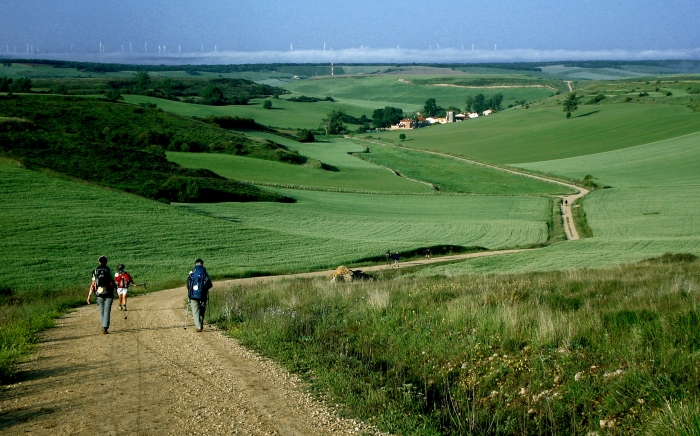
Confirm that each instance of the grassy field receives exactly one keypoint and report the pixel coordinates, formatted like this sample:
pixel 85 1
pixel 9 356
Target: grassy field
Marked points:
pixel 385 222
pixel 519 136
pixel 672 162
pixel 284 114
pixel 651 210
pixel 607 351
pixel 60 227
pixel 363 176
pixel 388 90
pixel 451 175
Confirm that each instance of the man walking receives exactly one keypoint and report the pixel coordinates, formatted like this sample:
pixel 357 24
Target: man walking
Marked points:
pixel 388 258
pixel 198 285
pixel 103 288
pixel 396 259
pixel 123 280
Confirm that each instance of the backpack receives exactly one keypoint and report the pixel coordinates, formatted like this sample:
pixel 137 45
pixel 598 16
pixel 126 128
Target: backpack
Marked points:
pixel 123 279
pixel 198 284
pixel 103 280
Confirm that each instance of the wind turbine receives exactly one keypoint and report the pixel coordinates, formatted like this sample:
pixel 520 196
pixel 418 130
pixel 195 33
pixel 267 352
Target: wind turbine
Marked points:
pixel 324 46
pixel 291 47
pixel 179 49
pixel 215 49
pixel 145 47
pixel 130 49
pixel 202 48
pixel 495 47
pixel 472 47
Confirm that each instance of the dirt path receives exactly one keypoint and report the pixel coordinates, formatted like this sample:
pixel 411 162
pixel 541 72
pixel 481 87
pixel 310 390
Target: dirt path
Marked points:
pixel 566 200
pixel 570 85
pixel 150 376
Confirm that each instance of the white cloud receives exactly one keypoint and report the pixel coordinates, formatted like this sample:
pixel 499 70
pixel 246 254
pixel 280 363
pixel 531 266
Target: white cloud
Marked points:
pixel 367 55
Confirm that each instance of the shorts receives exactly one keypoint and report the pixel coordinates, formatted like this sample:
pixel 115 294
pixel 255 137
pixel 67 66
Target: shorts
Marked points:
pixel 122 291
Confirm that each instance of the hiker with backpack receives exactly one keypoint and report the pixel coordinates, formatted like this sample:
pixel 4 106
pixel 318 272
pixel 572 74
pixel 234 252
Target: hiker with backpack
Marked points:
pixel 198 285
pixel 103 288
pixel 123 280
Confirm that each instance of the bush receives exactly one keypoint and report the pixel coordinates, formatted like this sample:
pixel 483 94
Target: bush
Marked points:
pixel 267 104
pixel 305 135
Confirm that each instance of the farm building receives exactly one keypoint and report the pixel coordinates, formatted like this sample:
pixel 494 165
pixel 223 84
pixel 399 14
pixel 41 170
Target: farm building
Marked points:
pixel 404 124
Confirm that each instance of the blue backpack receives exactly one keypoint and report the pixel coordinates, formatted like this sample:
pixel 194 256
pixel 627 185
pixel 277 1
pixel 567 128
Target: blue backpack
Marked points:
pixel 198 284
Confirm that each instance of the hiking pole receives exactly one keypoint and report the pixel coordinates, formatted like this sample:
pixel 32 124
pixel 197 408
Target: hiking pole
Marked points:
pixel 187 305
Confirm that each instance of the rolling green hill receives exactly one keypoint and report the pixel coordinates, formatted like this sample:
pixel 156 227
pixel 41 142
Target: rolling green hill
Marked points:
pixel 519 136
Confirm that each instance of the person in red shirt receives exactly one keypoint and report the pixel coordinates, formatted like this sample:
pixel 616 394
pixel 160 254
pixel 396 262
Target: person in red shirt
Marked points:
pixel 123 281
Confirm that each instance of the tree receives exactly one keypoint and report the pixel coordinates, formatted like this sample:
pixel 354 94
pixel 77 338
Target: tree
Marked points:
pixel 469 103
pixel 402 137
pixel 479 103
pixel 495 101
pixel 23 84
pixel 143 80
pixel 267 104
pixel 333 123
pixel 213 95
pixel 305 135
pixel 570 104
pixel 430 108
pixel 383 118
pixel 113 95
pixel 5 83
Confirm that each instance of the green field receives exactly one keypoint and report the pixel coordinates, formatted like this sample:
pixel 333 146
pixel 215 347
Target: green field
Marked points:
pixel 284 114
pixel 350 175
pixel 386 90
pixel 519 136
pixel 452 175
pixel 60 227
pixel 650 210
pixel 385 222
pixel 671 162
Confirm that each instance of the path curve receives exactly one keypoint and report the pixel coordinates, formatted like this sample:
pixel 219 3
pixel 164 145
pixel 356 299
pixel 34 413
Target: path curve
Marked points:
pixel 151 376
pixel 566 200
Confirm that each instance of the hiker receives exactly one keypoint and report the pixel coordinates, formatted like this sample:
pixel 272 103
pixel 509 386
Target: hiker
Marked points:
pixel 396 259
pixel 566 202
pixel 123 280
pixel 388 257
pixel 198 285
pixel 103 288
pixel 427 253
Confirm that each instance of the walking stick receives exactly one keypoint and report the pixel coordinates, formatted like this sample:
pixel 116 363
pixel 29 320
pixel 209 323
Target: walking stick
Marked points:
pixel 187 306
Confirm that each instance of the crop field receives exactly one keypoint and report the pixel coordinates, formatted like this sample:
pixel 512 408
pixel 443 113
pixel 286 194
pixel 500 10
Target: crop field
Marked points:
pixel 671 162
pixel 650 210
pixel 520 136
pixel 283 113
pixel 391 220
pixel 452 175
pixel 60 227
pixel 363 176
pixel 397 91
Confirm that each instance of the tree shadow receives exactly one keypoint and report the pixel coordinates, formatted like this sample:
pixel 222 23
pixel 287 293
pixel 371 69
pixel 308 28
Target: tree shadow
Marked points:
pixel 588 113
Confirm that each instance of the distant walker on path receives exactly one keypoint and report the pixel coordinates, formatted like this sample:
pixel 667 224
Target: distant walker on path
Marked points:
pixel 198 285
pixel 388 257
pixel 396 259
pixel 427 253
pixel 123 281
pixel 103 287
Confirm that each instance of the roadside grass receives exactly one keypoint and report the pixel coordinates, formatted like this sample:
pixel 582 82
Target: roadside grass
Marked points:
pixel 451 175
pixel 374 92
pixel 394 222
pixel 284 114
pixel 520 136
pixel 569 352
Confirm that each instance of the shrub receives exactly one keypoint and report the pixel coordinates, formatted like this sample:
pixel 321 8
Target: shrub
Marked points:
pixel 267 104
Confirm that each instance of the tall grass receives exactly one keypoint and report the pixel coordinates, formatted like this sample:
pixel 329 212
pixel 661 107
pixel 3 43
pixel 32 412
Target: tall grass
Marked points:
pixel 538 353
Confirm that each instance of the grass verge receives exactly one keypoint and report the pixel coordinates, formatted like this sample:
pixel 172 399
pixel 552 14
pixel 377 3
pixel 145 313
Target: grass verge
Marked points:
pixel 539 353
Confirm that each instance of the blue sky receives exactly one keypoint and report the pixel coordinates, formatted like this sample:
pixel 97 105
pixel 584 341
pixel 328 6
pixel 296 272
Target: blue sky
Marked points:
pixel 271 25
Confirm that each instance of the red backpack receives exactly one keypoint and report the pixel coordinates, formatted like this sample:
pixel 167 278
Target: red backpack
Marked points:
pixel 123 279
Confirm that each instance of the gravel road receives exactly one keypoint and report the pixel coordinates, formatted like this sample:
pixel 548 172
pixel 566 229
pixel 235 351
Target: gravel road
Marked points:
pixel 150 376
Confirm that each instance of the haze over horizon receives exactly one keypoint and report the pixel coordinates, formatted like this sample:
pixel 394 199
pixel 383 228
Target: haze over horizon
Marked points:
pixel 218 31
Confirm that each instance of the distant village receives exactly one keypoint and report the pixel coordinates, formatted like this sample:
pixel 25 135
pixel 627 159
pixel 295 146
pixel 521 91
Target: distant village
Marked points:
pixel 450 117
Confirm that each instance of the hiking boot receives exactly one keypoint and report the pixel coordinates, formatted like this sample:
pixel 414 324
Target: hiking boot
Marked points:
pixel 199 330
pixel 104 331
pixel 120 307
pixel 125 307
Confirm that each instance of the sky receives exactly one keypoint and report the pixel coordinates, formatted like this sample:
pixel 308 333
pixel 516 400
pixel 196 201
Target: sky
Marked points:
pixel 360 30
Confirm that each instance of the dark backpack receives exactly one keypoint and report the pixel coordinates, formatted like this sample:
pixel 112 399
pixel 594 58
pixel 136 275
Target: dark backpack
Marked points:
pixel 103 280
pixel 198 284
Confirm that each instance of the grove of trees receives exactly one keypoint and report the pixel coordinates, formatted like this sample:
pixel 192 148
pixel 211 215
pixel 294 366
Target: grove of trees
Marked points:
pixel 383 118
pixel 480 103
